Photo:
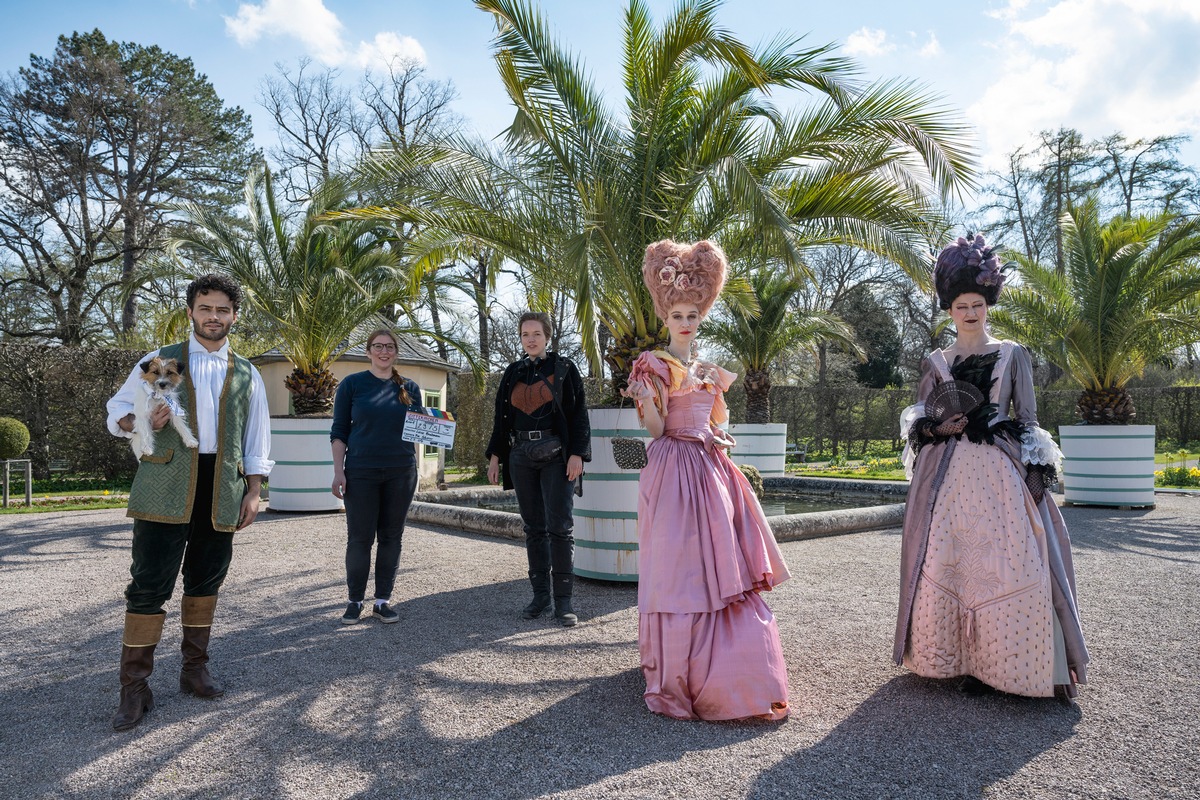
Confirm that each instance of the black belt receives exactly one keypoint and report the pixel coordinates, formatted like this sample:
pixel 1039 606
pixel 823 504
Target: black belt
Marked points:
pixel 533 436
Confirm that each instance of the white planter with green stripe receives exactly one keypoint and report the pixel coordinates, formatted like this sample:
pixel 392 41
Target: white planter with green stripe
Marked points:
pixel 303 471
pixel 761 445
pixel 606 542
pixel 1108 465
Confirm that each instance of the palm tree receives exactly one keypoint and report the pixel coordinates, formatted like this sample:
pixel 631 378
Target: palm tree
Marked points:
pixel 757 340
pixel 1129 295
pixel 699 151
pixel 317 287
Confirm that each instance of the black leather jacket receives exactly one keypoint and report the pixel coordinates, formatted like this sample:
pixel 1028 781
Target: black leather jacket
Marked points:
pixel 570 413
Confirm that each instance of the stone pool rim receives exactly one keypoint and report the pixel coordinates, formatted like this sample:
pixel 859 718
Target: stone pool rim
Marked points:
pixel 440 508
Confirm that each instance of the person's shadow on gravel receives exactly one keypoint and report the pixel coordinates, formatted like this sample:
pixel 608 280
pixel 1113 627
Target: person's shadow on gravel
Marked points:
pixel 24 538
pixel 462 698
pixel 473 700
pixel 921 738
pixel 1111 530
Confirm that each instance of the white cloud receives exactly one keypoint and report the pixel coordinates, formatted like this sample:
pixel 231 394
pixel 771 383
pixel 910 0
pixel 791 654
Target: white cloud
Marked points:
pixel 1099 66
pixel 932 47
pixel 868 42
pixel 387 48
pixel 307 20
pixel 1014 8
pixel 320 31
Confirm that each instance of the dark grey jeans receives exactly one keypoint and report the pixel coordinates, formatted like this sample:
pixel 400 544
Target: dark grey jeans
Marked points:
pixel 377 502
pixel 547 503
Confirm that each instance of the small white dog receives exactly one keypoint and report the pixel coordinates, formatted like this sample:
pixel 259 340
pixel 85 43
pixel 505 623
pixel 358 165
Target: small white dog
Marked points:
pixel 161 377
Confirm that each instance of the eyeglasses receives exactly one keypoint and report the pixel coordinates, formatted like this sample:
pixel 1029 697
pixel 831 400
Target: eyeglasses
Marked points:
pixel 383 348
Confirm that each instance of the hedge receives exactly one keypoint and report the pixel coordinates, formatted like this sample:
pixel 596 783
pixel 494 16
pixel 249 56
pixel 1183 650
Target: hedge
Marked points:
pixel 844 420
pixel 60 394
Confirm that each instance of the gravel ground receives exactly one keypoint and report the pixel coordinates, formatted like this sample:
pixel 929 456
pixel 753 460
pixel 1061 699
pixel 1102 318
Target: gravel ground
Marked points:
pixel 464 699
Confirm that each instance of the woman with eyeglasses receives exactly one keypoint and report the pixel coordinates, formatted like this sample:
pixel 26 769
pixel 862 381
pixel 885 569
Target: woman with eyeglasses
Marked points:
pixel 374 471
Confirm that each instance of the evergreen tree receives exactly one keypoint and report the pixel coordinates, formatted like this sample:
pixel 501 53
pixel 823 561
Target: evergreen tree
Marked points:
pixel 97 143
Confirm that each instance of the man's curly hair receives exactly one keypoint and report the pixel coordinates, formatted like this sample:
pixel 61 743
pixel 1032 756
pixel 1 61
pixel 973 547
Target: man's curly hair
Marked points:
pixel 215 283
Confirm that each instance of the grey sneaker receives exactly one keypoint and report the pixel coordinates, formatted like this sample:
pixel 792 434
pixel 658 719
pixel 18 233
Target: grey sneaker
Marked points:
pixel 385 613
pixel 353 612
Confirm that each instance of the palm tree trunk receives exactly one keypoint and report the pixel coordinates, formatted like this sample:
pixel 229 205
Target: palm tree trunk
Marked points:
pixel 619 357
pixel 603 340
pixel 435 316
pixel 312 391
pixel 1106 407
pixel 480 287
pixel 758 396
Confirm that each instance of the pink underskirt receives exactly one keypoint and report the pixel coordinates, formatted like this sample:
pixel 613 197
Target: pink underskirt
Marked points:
pixel 715 665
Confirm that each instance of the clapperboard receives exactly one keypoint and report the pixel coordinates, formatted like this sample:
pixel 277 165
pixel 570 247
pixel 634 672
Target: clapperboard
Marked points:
pixel 432 427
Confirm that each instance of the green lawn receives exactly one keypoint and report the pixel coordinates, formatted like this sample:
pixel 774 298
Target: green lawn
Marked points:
pixel 887 468
pixel 16 505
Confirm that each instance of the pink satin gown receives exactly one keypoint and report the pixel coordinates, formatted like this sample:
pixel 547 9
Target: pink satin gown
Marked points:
pixel 709 644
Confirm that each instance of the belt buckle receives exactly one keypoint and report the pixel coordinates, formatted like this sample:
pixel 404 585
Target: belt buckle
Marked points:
pixel 535 435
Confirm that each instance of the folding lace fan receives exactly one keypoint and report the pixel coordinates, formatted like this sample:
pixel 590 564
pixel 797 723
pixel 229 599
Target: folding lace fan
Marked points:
pixel 952 397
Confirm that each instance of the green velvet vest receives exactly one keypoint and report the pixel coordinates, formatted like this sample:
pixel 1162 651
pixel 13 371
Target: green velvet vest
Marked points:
pixel 165 485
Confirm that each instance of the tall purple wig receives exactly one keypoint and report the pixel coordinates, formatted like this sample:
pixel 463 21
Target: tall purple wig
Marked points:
pixel 968 266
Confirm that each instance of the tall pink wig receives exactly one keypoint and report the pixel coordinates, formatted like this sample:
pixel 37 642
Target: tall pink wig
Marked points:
pixel 684 273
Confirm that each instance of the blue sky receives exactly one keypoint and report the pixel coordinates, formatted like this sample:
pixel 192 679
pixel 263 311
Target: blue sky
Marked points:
pixel 1013 67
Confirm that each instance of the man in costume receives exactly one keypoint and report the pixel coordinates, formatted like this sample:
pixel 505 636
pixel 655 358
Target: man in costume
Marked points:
pixel 186 503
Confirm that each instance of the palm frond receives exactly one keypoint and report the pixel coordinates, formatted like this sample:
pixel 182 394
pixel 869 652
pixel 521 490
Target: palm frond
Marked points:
pixel 1126 298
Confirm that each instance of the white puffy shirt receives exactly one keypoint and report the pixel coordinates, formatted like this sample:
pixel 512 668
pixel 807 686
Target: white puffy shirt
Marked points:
pixel 207 371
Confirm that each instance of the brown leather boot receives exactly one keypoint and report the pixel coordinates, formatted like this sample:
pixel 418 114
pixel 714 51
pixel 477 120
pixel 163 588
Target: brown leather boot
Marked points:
pixel 197 625
pixel 142 632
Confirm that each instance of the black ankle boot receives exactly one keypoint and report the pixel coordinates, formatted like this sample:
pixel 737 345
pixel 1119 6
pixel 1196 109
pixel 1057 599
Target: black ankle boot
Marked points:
pixel 563 588
pixel 541 595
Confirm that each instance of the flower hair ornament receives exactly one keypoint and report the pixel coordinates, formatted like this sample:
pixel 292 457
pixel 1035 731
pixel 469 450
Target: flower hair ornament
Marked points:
pixel 677 272
pixel 670 270
pixel 968 265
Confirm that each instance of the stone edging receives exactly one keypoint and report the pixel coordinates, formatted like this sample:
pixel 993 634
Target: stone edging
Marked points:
pixel 793 527
pixel 437 508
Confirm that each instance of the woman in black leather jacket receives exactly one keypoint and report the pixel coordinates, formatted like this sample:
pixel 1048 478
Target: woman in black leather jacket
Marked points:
pixel 541 436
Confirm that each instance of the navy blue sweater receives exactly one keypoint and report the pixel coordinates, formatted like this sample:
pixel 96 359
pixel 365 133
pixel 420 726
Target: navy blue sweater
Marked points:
pixel 369 417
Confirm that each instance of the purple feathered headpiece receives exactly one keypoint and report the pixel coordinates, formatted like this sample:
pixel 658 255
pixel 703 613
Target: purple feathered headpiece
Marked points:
pixel 968 265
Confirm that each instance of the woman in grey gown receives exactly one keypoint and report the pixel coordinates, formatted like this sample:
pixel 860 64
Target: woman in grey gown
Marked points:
pixel 987 586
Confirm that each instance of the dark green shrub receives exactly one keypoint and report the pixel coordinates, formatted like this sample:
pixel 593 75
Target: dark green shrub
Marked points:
pixel 473 408
pixel 62 485
pixel 14 438
pixel 755 477
pixel 60 393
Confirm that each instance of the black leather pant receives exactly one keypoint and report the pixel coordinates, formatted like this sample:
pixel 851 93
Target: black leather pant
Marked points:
pixel 547 502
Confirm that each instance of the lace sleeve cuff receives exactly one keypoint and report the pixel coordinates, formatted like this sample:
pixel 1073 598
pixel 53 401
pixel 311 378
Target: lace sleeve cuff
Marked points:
pixel 1038 448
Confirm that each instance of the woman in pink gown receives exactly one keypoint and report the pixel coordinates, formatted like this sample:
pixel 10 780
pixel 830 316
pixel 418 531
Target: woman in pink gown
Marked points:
pixel 709 645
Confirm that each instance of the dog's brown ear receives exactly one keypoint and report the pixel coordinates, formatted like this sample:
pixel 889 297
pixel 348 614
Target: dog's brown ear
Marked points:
pixel 181 365
pixel 145 365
